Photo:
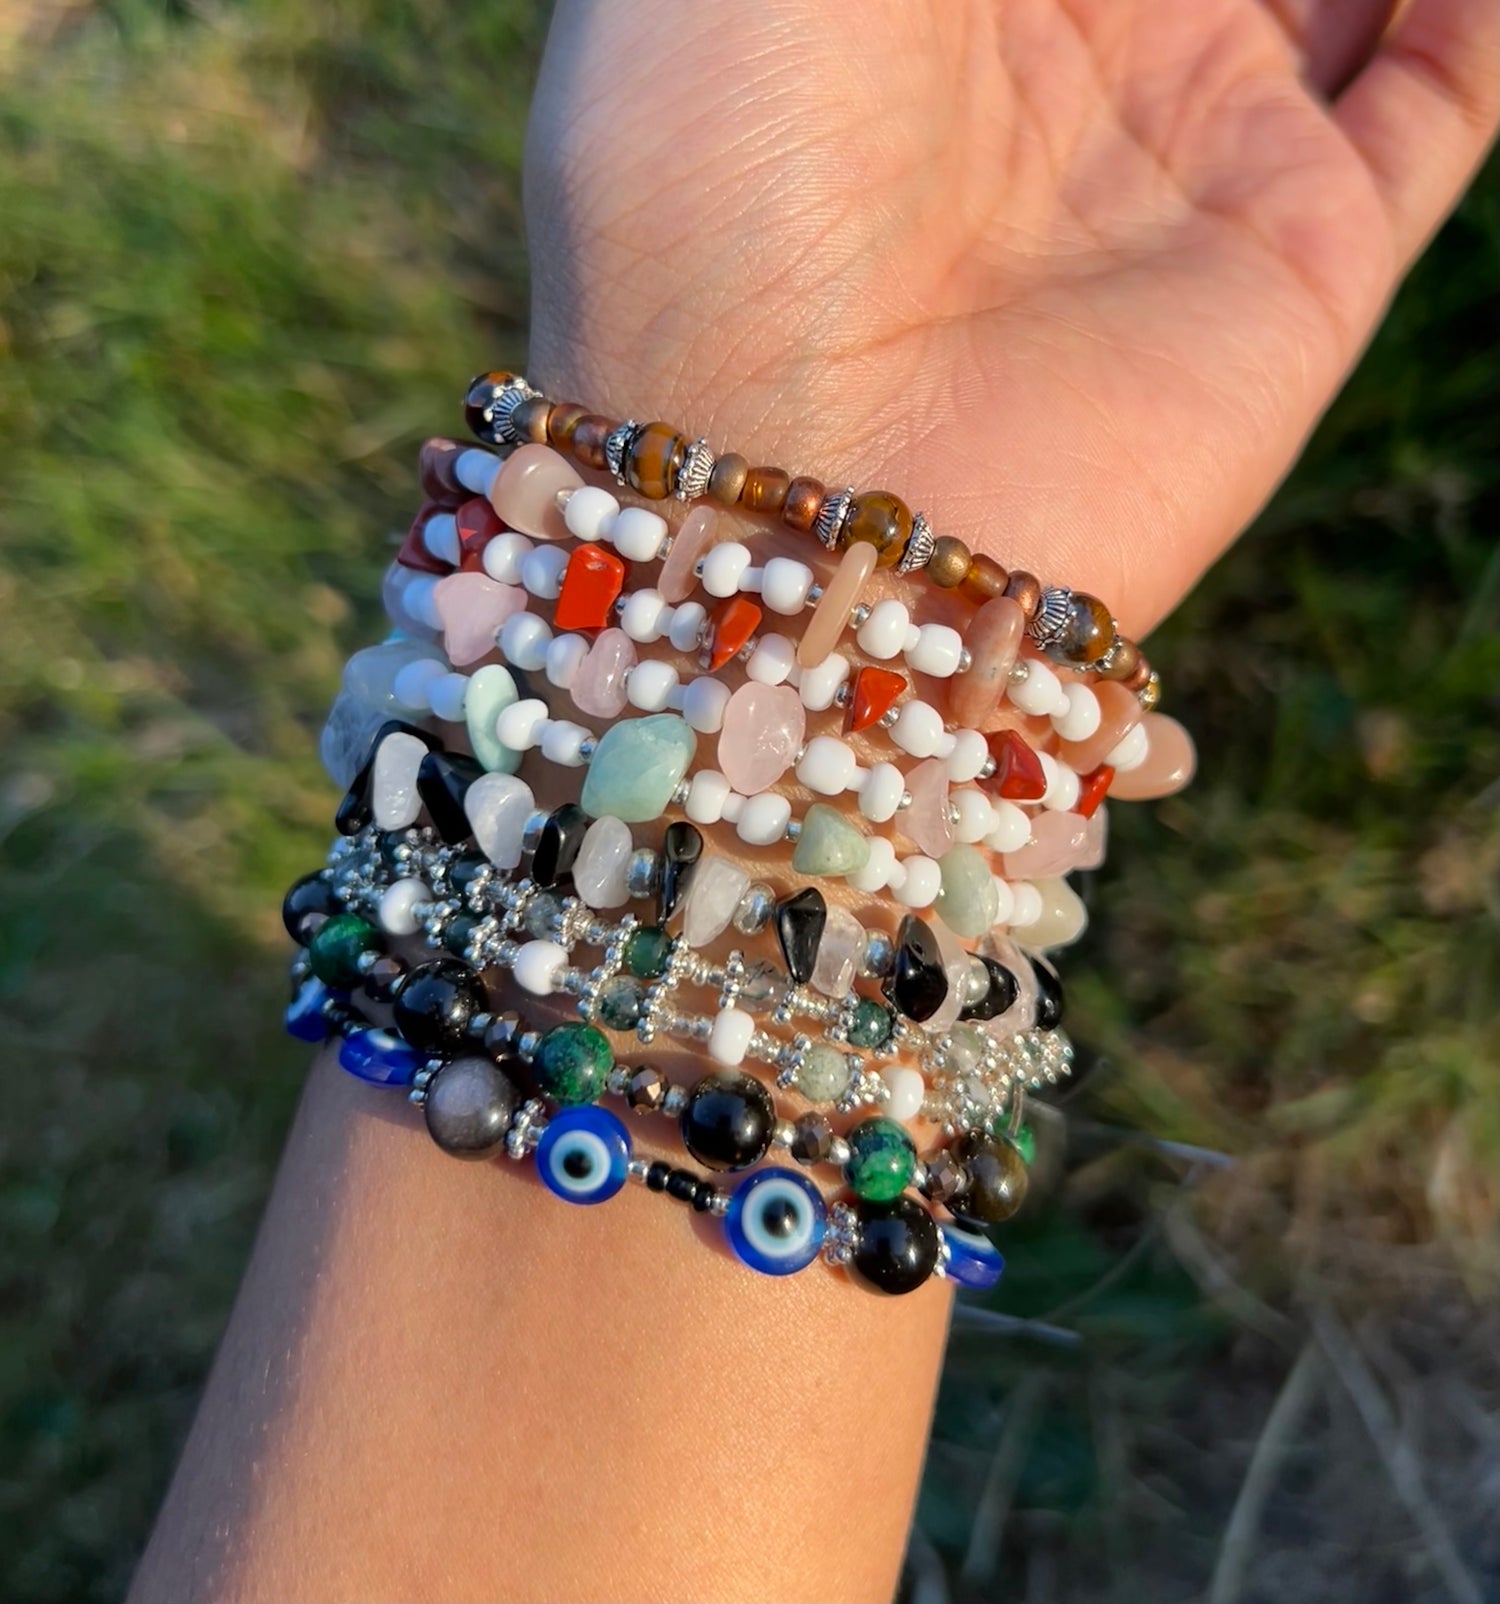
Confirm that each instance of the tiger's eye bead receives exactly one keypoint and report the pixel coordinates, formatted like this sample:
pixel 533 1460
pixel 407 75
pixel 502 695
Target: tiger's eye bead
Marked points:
pixel 589 435
pixel 1089 632
pixel 1025 589
pixel 654 460
pixel 1123 661
pixel 563 419
pixel 803 499
pixel 881 520
pixel 728 478
pixel 984 580
pixel 481 396
pixel 765 490
pixel 949 562
pixel 529 420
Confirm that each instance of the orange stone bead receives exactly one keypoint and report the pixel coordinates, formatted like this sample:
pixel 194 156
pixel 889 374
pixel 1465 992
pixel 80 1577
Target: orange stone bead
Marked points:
pixel 1092 789
pixel 1119 713
pixel 881 520
pixel 593 580
pixel 1018 776
pixel 873 695
pixel 654 460
pixel 730 626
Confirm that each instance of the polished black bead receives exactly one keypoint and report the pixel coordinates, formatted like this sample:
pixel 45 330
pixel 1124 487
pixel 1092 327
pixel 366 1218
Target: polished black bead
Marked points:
pixel 703 1199
pixel 464 872
pixel 799 929
pixel 385 977
pixel 917 983
pixel 443 781
pixel 354 811
pixel 434 1007
pixel 681 848
pixel 557 849
pixel 458 932
pixel 657 1175
pixel 1049 997
pixel 307 905
pixel 1000 996
pixel 391 845
pixel 728 1121
pixel 898 1244
pixel 683 1185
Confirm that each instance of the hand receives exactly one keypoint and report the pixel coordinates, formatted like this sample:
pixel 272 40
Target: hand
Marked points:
pixel 1075 277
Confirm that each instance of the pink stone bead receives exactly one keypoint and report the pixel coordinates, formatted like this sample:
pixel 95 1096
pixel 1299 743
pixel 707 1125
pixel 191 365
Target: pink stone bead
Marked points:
pixel 993 639
pixel 761 735
pixel 1097 843
pixel 472 608
pixel 525 491
pixel 926 823
pixel 1169 764
pixel 701 530
pixel 598 687
pixel 839 599
pixel 1059 843
pixel 1119 713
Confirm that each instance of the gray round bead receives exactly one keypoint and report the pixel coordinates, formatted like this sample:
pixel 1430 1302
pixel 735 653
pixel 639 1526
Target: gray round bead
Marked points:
pixel 880 953
pixel 470 1104
pixel 755 909
pixel 643 872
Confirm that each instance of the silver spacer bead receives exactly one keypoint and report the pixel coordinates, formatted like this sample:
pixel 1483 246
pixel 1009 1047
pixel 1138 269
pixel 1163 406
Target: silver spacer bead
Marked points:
pixel 783 1133
pixel 500 413
pixel 616 445
pixel 832 516
pixel 919 546
pixel 965 661
pixel 675 1100
pixel 720 1205
pixel 697 465
pixel 1049 623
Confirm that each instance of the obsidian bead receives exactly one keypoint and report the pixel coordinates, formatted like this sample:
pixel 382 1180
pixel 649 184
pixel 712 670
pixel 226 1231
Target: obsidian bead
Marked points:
pixel 464 872
pixel 1000 995
pixel 681 849
pixel 353 813
pixel 997 1178
pixel 434 1007
pixel 443 780
pixel 557 848
pixel 657 1175
pixel 307 905
pixel 917 983
pixel 728 1121
pixel 898 1245
pixel 799 929
pixel 683 1185
pixel 1049 997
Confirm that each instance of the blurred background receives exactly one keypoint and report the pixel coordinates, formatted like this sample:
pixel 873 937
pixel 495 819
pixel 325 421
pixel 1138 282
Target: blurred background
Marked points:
pixel 1248 1345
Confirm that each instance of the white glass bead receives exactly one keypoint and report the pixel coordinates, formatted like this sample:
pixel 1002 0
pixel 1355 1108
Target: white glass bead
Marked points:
pixel 1131 752
pixel 1083 714
pixel 399 903
pixel 447 697
pixel 413 684
pixel 876 874
pixel 524 639
pixel 476 470
pixel 504 555
pixel 638 534
pixel 723 567
pixel 784 585
pixel 772 661
pixel 600 874
pixel 650 684
pixel 440 536
pixel 918 729
pixel 763 819
pixel 393 781
pixel 729 1036
pixel 976 815
pixel 497 807
pixel 937 651
pixel 565 657
pixel 537 966
pixel 968 756
pixel 1040 692
pixel 818 686
pixel 590 512
pixel 1027 908
pixel 827 765
pixel 542 570
pixel 519 727
pixel 883 633
pixel 907 1089
pixel 419 597
pixel 1005 901
pixel 1012 828
pixel 922 883
pixel 562 742
pixel 880 793
pixel 1062 785
pixel 686 629
pixel 643 616
pixel 708 792
pixel 703 703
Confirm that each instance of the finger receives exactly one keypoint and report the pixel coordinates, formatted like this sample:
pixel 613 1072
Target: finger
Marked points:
pixel 1422 113
pixel 1333 39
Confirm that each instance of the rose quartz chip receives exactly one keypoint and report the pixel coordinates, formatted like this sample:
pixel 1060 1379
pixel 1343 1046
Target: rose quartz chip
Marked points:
pixel 762 732
pixel 1119 713
pixel 1097 841
pixel 525 491
pixel 993 639
pixel 472 608
pixel 1169 764
pixel 599 685
pixel 838 600
pixel 926 822
pixel 1059 842
pixel 700 531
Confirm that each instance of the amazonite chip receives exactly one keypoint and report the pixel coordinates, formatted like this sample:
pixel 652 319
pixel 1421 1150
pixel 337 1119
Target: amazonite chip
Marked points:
pixel 829 844
pixel 637 766
pixel 967 901
pixel 491 690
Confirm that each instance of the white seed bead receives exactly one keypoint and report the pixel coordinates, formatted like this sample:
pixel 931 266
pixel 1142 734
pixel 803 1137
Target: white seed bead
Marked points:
pixel 638 534
pixel 976 815
pixel 1005 900
pixel 413 685
pixel 708 792
pixel 1027 908
pixel 447 695
pixel 504 555
pixel 763 819
pixel 907 1089
pixel 1062 785
pixel 876 874
pixel 827 765
pixel 922 883
pixel 645 612
pixel 519 727
pixel 399 903
pixel 1012 827
pixel 969 755
pixel 420 600
pixel 880 792
pixel 883 633
pixel 937 651
pixel 542 570
pixel 686 628
pixel 818 686
pixel 1083 714
pixel 524 639
pixel 565 657
pixel 784 585
pixel 440 536
pixel 703 704
pixel 650 684
pixel 562 742
pixel 1131 752
pixel 729 1036
pixel 1040 692
pixel 918 729
pixel 476 470
pixel 772 660
pixel 590 513
pixel 723 568
pixel 537 966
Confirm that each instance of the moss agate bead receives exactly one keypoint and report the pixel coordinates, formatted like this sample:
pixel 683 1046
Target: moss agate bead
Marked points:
pixel 882 1160
pixel 337 946
pixel 898 1245
pixel 872 1024
pixel 881 520
pixel 573 1063
pixel 621 1002
pixel 647 950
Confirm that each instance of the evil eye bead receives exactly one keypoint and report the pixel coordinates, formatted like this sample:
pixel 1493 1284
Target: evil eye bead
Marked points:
pixel 776 1221
pixel 304 1017
pixel 971 1260
pixel 380 1057
pixel 584 1155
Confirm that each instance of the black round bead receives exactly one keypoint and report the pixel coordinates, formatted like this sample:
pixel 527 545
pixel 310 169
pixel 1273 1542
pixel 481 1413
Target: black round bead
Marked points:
pixel 898 1245
pixel 307 905
pixel 434 1007
pixel 728 1121
pixel 458 932
pixel 464 871
pixel 1049 997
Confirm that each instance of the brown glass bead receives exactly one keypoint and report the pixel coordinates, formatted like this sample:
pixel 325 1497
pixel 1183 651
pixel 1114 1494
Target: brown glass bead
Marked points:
pixel 997 1178
pixel 654 460
pixel 1150 692
pixel 529 420
pixel 949 562
pixel 1026 591
pixel 984 581
pixel 881 520
pixel 481 392
pixel 1138 678
pixel 1123 660
pixel 765 490
pixel 589 435
pixel 804 497
pixel 728 478
pixel 1090 629
pixel 562 421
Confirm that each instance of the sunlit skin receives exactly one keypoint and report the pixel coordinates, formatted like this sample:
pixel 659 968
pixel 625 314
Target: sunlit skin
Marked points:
pixel 1077 279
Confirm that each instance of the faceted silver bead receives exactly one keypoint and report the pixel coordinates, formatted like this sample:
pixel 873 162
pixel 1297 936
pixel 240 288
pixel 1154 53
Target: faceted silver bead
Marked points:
pixel 697 465
pixel 616 445
pixel 919 546
pixel 1049 623
pixel 832 516
pixel 643 873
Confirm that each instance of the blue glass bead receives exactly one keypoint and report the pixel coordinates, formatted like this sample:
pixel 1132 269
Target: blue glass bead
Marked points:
pixel 304 1016
pixel 380 1057
pixel 776 1221
pixel 584 1154
pixel 973 1260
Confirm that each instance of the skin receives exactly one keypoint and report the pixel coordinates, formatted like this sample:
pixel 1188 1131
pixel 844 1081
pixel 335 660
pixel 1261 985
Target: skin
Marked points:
pixel 1076 277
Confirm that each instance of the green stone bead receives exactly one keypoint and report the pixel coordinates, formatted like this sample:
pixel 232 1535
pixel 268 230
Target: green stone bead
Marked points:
pixel 491 690
pixel 823 1074
pixel 637 766
pixel 882 1160
pixel 337 946
pixel 967 900
pixel 829 844
pixel 573 1063
pixel 620 1003
pixel 1025 1142
pixel 871 1025
pixel 647 949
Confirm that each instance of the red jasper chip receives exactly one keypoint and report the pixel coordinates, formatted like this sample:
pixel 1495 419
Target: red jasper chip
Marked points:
pixel 873 696
pixel 593 580
pixel 1093 787
pixel 1018 776
pixel 478 524
pixel 414 552
pixel 435 468
pixel 730 626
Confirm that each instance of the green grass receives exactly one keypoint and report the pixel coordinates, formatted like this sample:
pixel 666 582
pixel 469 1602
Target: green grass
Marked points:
pixel 247 254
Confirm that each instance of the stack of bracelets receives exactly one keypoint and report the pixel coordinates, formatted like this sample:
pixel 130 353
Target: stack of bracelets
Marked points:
pixel 717 693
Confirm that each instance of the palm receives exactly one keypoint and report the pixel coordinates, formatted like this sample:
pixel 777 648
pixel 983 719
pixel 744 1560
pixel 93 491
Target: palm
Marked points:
pixel 1078 274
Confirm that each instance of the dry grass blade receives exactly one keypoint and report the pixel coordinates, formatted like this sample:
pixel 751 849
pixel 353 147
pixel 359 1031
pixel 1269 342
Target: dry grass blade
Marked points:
pixel 999 1489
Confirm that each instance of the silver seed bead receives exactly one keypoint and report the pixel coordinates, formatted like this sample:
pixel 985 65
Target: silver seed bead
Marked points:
pixel 838 1152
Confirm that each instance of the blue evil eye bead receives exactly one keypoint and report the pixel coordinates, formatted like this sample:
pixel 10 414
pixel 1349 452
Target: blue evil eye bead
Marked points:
pixel 776 1221
pixel 584 1154
pixel 972 1259
pixel 380 1057
pixel 304 1016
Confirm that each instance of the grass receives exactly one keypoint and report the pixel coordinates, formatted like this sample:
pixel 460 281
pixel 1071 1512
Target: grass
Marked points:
pixel 247 251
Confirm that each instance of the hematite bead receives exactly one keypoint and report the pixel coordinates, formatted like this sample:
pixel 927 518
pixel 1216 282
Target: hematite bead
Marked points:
pixel 337 946
pixel 728 1121
pixel 800 921
pixel 918 982
pixel 433 1009
pixel 443 780
pixel 469 1106
pixel 573 1063
pixel 812 1139
pixel 557 850
pixel 882 1160
pixel 1049 997
pixel 309 902
pixel 898 1244
pixel 999 995
pixel 681 850
pixel 997 1178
